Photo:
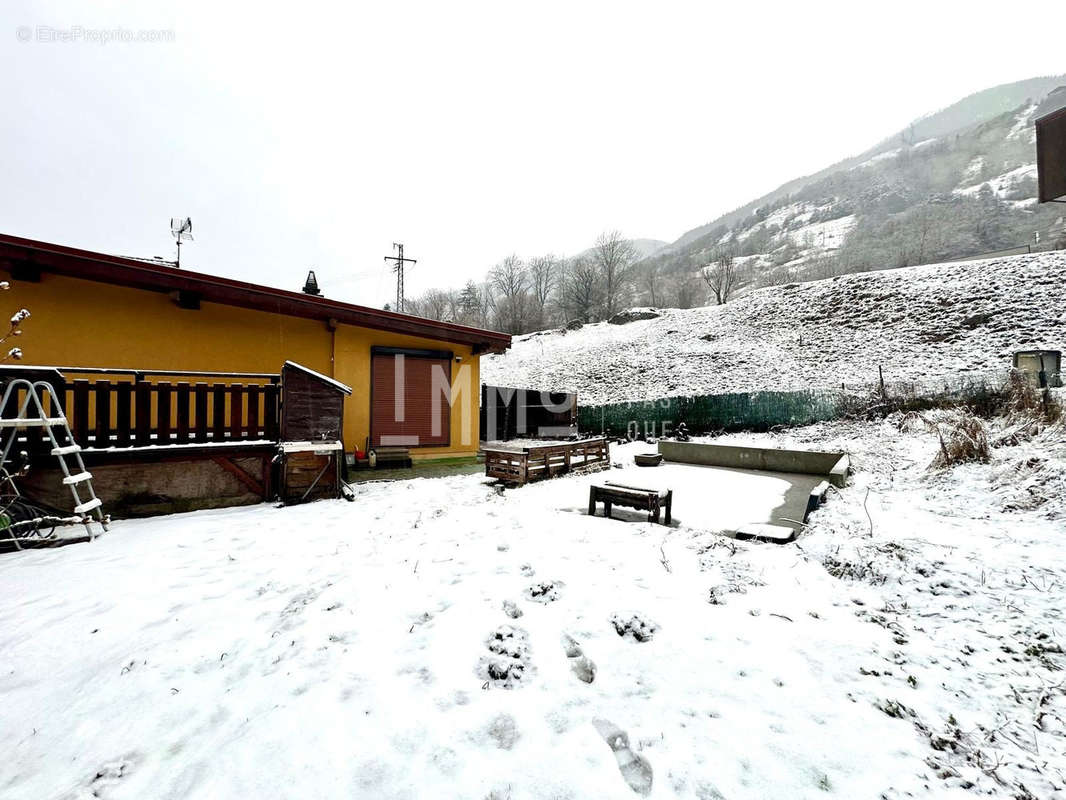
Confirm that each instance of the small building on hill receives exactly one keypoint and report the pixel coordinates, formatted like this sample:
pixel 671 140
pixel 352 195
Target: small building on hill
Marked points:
pixel 1042 367
pixel 414 381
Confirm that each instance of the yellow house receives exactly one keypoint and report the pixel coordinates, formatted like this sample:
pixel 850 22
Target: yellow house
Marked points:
pixel 92 310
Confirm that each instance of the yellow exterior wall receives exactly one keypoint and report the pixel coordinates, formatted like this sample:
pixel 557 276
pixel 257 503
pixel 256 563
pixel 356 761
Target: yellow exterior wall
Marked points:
pixel 81 323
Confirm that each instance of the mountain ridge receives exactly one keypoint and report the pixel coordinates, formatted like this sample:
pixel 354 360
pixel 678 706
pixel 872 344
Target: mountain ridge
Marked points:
pixel 1003 97
pixel 908 200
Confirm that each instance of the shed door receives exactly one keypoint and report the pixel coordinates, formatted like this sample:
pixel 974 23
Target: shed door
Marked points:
pixel 409 406
pixel 1029 362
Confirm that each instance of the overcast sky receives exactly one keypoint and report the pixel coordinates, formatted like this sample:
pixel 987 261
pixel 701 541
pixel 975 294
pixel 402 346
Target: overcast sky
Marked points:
pixel 316 135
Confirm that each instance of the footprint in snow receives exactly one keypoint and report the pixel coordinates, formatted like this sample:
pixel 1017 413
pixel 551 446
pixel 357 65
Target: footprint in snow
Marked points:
pixel 544 591
pixel 635 769
pixel 580 664
pixel 508 662
pixel 634 625
pixel 110 775
pixel 503 731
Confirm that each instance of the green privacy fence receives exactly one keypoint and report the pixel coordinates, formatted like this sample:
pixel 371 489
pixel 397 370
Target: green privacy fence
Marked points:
pixel 714 412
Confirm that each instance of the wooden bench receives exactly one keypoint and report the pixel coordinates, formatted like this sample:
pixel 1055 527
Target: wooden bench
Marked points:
pixel 617 494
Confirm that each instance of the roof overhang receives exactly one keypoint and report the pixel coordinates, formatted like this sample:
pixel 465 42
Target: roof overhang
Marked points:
pixel 44 257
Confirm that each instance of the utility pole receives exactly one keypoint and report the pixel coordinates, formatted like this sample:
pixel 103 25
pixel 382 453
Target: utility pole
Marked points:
pixel 398 269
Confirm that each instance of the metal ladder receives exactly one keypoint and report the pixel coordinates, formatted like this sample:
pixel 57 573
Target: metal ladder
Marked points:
pixel 63 446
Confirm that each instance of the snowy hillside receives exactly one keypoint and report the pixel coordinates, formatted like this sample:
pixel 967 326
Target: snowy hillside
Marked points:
pixel 917 322
pixel 956 183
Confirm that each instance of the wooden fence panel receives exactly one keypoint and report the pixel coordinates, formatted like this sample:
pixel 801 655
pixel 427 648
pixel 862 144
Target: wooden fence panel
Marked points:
pixel 200 410
pixel 123 428
pixel 236 412
pixel 218 412
pixel 162 418
pixel 143 395
pixel 79 421
pixel 253 412
pixel 36 441
pixel 182 427
pixel 271 413
pixel 102 437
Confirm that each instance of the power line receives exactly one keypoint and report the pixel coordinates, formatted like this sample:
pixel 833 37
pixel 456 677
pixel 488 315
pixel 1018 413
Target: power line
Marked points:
pixel 398 269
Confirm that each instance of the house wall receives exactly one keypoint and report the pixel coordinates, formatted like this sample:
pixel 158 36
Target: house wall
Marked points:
pixel 81 323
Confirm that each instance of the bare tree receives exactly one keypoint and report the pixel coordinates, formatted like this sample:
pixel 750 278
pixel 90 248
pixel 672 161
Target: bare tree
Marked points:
pixel 615 256
pixel 580 292
pixel 434 304
pixel 510 280
pixel 925 233
pixel 412 306
pixel 453 312
pixel 543 276
pixel 650 284
pixel 688 291
pixel 721 274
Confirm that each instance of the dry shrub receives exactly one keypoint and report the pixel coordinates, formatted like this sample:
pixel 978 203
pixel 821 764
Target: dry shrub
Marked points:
pixel 979 396
pixel 963 436
pixel 1025 403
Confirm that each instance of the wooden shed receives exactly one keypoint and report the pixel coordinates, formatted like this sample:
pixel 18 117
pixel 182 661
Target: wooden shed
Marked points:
pixel 312 421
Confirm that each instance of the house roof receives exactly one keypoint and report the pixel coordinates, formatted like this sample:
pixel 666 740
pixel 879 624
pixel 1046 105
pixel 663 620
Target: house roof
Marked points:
pixel 158 277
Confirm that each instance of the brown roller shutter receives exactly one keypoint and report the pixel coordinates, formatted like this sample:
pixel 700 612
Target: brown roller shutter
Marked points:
pixel 416 427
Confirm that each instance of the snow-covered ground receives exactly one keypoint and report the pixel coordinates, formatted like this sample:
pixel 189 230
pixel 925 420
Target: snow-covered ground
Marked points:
pixel 435 639
pixel 1002 184
pixel 821 236
pixel 917 323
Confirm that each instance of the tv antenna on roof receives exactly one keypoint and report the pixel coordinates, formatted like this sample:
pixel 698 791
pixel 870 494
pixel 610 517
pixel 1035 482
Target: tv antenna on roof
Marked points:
pixel 181 229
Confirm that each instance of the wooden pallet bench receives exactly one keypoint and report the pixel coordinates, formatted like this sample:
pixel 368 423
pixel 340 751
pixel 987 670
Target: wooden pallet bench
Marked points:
pixel 392 457
pixel 616 494
pixel 517 464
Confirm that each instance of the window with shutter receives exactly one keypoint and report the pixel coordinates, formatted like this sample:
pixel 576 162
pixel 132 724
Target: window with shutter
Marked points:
pixel 409 403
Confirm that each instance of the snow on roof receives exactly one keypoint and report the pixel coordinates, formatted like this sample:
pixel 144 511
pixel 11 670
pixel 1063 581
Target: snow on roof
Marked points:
pixel 325 378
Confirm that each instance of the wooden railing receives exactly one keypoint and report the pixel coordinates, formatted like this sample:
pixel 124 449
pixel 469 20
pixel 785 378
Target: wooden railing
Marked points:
pixel 135 414
pixel 139 413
